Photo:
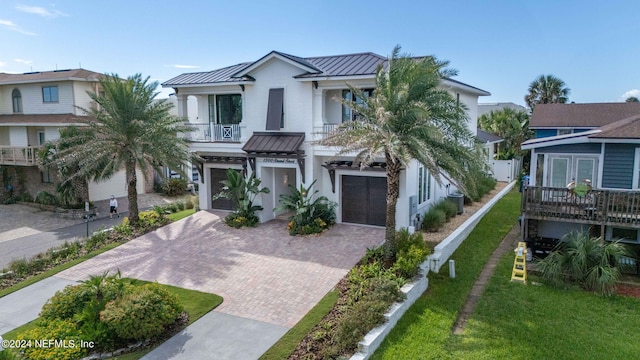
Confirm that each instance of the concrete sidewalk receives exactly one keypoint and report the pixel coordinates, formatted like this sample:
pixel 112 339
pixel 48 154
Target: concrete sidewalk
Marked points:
pixel 23 306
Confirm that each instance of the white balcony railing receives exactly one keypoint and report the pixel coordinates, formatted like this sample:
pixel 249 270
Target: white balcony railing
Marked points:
pixel 18 155
pixel 208 132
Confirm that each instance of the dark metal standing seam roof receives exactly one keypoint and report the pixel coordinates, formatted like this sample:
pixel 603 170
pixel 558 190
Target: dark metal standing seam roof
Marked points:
pixel 209 77
pixel 346 65
pixel 274 143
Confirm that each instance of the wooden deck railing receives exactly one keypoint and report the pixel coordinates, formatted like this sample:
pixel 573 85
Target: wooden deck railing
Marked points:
pixel 604 207
pixel 18 155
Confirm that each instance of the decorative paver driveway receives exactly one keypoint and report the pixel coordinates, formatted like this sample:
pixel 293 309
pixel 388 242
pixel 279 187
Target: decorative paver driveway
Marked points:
pixel 263 273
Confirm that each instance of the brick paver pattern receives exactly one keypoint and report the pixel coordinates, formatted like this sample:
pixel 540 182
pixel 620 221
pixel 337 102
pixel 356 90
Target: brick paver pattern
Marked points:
pixel 262 273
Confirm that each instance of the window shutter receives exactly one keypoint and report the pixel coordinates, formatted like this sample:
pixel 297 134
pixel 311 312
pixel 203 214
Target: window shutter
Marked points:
pixel 275 109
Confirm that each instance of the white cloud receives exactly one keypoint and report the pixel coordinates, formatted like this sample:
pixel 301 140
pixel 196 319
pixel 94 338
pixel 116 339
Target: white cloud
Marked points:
pixel 37 10
pixel 22 61
pixel 630 93
pixel 12 26
pixel 177 66
pixel 2 63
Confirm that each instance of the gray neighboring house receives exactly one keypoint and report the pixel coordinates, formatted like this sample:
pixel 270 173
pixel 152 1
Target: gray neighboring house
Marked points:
pixel 596 145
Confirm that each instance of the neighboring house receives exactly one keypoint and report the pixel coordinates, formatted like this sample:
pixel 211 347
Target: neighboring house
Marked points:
pixel 264 117
pixel 592 146
pixel 33 107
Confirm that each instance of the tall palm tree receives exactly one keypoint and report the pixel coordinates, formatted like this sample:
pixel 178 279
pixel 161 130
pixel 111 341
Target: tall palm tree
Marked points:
pixel 127 129
pixel 547 89
pixel 407 117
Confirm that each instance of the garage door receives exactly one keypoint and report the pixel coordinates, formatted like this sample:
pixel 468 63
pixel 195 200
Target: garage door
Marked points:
pixel 218 175
pixel 364 200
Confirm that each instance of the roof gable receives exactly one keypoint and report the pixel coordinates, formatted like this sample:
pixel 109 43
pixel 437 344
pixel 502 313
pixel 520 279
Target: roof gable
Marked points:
pixel 628 128
pixel 290 59
pixel 592 115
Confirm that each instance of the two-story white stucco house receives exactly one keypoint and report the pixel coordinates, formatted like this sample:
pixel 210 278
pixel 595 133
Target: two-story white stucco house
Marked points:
pixel 33 107
pixel 265 116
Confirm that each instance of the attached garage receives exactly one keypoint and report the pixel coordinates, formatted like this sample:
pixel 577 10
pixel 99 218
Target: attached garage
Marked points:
pixel 218 175
pixel 364 200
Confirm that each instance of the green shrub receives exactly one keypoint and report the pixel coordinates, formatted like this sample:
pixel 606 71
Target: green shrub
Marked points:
pixel 45 198
pixel 55 330
pixel 65 303
pixel 25 197
pixel 180 205
pixel 448 208
pixel 311 215
pixel 174 187
pixel 237 220
pixel 20 267
pixel 590 262
pixel 142 313
pixel 188 203
pixel 433 220
pixel 97 240
pixel 411 252
pixel 150 219
pixel 173 207
pixel 9 354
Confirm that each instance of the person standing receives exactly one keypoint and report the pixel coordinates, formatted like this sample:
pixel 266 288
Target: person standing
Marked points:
pixel 113 207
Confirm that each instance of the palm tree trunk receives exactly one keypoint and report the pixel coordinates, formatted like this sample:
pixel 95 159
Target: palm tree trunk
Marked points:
pixel 393 190
pixel 132 192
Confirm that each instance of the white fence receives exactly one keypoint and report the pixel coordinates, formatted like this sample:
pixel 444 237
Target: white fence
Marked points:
pixel 506 170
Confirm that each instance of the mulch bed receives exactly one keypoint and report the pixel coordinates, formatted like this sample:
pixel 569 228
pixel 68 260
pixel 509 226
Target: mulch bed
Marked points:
pixel 628 290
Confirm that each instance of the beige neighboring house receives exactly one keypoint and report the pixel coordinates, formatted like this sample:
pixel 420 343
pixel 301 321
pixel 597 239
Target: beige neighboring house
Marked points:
pixel 33 107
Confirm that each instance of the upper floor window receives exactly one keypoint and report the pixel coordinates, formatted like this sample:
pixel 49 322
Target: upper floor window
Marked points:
pixel 225 109
pixel 17 101
pixel 565 131
pixel 275 110
pixel 50 94
pixel 348 114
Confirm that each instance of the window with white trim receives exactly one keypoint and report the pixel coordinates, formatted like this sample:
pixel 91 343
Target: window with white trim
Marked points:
pixel 424 185
pixel 16 99
pixel 565 131
pixel 225 109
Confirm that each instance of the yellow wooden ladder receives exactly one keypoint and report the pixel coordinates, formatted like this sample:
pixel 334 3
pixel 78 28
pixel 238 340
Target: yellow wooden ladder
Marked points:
pixel 519 272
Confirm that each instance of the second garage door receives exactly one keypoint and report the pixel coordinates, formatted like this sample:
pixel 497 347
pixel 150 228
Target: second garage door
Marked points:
pixel 364 200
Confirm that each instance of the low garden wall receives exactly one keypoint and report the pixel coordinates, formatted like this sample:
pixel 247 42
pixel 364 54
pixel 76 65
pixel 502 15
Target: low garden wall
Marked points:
pixel 414 290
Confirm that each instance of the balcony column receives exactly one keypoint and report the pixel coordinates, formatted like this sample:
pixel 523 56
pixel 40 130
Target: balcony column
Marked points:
pixel 318 108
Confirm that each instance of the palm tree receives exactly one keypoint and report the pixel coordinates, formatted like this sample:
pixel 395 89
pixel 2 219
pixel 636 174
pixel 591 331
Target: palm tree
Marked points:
pixel 126 129
pixel 407 117
pixel 510 124
pixel 547 89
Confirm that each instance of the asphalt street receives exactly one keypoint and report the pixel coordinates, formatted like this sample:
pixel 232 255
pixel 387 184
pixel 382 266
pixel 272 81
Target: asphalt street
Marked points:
pixel 28 246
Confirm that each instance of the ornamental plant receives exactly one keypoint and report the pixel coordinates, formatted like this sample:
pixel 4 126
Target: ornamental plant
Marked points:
pixel 312 214
pixel 242 192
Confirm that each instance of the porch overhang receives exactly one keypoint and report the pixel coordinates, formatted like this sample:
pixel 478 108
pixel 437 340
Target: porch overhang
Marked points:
pixel 283 145
pixel 332 166
pixel 220 159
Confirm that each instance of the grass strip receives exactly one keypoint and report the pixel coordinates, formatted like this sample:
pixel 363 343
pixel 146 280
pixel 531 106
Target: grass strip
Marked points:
pixel 425 328
pixel 181 214
pixel 56 269
pixel 288 343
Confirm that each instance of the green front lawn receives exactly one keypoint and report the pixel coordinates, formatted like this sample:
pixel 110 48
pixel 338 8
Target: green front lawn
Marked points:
pixel 511 321
pixel 181 214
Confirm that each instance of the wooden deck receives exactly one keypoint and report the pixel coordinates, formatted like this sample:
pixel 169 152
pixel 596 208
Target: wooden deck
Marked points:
pixel 598 207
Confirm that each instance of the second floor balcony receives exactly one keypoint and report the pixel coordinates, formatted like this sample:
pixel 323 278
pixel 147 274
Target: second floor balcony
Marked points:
pixel 596 207
pixel 209 132
pixel 19 155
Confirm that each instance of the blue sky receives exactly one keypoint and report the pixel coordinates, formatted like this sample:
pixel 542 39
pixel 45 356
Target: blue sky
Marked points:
pixel 499 46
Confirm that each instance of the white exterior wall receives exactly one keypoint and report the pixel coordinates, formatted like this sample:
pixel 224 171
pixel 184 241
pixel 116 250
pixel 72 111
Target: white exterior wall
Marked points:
pixel 51 133
pixel 80 96
pixel 32 99
pixel 116 185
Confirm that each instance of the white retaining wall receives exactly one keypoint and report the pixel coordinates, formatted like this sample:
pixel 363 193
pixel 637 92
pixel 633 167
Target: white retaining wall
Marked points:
pixel 413 290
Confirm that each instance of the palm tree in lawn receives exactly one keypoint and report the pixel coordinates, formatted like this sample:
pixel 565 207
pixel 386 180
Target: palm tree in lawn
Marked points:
pixel 127 129
pixel 407 117
pixel 547 89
